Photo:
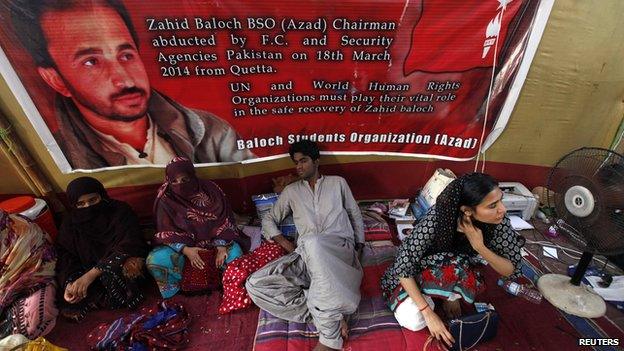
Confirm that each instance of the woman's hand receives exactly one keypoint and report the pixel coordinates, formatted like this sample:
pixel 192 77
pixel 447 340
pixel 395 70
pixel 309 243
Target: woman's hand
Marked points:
pixel 69 294
pixel 222 253
pixel 133 267
pixel 437 328
pixel 452 308
pixel 192 253
pixel 473 234
pixel 79 287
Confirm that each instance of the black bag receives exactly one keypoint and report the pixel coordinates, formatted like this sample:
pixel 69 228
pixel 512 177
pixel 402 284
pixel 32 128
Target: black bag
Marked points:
pixel 470 330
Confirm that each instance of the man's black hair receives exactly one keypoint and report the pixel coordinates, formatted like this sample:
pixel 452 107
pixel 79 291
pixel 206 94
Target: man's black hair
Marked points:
pixel 306 147
pixel 26 17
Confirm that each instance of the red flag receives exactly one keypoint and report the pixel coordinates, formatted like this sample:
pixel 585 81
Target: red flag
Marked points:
pixel 458 35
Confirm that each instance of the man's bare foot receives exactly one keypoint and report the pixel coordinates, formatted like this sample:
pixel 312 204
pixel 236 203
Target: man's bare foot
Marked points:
pixel 344 329
pixel 344 333
pixel 321 347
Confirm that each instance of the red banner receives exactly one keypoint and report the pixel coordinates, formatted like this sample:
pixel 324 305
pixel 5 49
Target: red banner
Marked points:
pixel 118 84
pixel 463 30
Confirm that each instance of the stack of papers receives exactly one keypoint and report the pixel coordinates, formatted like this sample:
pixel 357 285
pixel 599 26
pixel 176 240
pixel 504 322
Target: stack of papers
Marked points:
pixel 399 210
pixel 398 207
pixel 519 224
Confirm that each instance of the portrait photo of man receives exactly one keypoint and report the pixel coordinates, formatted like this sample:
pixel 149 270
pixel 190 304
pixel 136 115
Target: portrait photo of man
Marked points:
pixel 107 112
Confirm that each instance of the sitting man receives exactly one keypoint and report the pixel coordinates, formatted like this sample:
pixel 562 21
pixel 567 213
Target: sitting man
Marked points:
pixel 319 279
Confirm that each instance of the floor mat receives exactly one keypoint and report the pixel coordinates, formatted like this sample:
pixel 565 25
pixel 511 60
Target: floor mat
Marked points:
pixel 589 328
pixel 523 325
pixel 208 330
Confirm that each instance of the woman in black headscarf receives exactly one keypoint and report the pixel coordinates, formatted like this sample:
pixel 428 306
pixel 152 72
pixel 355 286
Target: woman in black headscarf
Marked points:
pixel 100 252
pixel 435 260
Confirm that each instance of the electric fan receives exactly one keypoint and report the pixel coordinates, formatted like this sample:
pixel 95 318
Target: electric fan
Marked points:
pixel 587 189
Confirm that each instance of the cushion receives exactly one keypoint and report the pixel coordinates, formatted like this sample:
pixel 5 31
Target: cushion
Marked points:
pixel 195 279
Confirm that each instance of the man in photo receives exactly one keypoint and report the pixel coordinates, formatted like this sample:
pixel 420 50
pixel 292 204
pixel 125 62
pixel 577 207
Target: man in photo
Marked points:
pixel 107 112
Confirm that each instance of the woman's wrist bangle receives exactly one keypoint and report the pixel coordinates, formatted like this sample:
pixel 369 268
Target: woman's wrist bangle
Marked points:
pixel 423 308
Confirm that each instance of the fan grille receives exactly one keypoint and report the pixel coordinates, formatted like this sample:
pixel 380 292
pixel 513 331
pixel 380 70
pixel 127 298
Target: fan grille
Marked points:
pixel 600 174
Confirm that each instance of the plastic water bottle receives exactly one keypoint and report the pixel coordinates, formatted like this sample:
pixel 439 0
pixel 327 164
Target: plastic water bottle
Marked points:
pixel 521 290
pixel 542 216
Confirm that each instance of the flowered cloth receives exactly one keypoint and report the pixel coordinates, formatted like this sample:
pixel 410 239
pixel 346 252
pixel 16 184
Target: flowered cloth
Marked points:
pixel 27 259
pixel 27 288
pixel 166 265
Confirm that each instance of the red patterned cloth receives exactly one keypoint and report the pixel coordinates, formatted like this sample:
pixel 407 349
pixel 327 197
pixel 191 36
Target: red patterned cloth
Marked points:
pixel 235 295
pixel 157 328
pixel 195 279
pixel 375 226
pixel 165 329
pixel 451 274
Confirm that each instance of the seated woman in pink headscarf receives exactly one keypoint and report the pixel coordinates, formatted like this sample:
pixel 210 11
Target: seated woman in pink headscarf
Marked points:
pixel 27 289
pixel 192 217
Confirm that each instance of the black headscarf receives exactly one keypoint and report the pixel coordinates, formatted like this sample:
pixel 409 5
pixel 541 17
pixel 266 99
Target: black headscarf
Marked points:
pixel 83 186
pixel 447 213
pixel 91 236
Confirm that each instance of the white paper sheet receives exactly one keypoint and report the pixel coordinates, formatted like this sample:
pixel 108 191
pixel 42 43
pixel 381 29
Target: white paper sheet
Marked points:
pixel 550 252
pixel 615 291
pixel 519 224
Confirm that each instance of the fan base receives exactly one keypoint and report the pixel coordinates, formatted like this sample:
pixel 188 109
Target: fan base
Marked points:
pixel 572 299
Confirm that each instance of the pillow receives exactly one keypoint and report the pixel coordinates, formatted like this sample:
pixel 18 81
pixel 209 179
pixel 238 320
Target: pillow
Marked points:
pixel 375 227
pixel 195 279
pixel 434 187
pixel 264 203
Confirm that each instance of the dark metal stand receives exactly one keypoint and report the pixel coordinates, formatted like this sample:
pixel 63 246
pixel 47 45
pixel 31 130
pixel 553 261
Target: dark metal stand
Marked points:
pixel 579 272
